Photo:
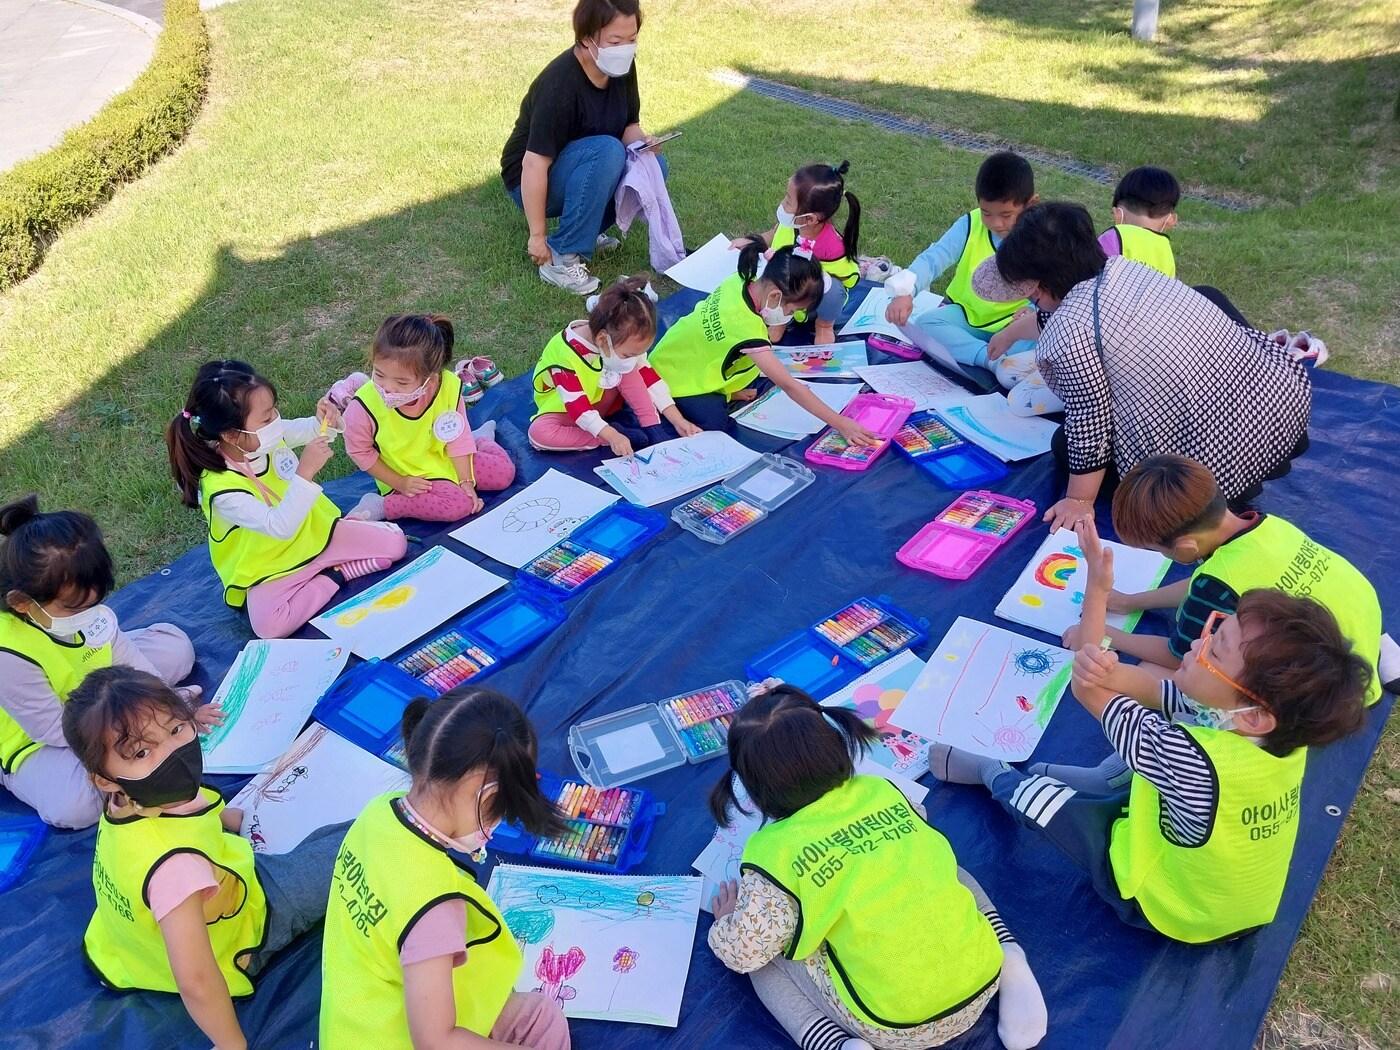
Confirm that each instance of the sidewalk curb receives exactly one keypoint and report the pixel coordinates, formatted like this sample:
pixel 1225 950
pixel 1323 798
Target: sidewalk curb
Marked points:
pixel 148 26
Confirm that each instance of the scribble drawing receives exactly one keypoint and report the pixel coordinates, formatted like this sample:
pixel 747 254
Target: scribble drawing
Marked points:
pixel 255 834
pixel 1034 663
pixel 531 515
pixel 250 664
pixel 624 961
pixel 278 779
pixel 390 588
pixel 297 773
pixel 564 526
pixel 553 970
pixel 529 925
pixel 962 415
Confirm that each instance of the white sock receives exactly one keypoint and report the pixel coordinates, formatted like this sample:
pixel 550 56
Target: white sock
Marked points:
pixel 485 432
pixel 370 508
pixel 1021 1016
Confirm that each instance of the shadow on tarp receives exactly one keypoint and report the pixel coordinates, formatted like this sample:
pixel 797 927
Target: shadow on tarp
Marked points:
pixel 680 614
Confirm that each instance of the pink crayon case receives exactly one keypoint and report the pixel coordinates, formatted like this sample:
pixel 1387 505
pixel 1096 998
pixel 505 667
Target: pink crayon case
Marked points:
pixel 882 414
pixel 965 534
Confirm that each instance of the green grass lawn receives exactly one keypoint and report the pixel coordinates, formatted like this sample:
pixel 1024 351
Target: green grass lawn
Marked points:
pixel 345 166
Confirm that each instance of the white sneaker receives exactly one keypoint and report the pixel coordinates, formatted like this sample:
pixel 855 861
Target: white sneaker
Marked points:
pixel 648 291
pixel 485 432
pixel 570 273
pixel 605 243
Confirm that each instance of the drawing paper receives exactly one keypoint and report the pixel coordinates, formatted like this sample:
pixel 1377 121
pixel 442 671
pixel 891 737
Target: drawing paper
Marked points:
pixel 828 361
pixel 613 947
pixel 672 468
pixel 874 696
pixel 932 349
pixel 266 697
pixel 869 317
pixel 408 604
pixel 988 421
pixel 534 519
pixel 323 779
pixel 917 381
pixel 1049 593
pixel 780 416
pixel 706 268
pixel 986 690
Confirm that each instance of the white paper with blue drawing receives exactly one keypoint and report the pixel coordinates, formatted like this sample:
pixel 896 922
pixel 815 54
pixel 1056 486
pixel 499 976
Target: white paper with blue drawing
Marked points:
pixel 989 422
pixel 670 469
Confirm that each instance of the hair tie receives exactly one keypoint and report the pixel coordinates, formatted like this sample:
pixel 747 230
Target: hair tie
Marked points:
pixel 803 248
pixel 185 412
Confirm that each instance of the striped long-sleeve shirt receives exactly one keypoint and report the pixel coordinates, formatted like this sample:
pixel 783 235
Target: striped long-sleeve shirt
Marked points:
pixel 584 413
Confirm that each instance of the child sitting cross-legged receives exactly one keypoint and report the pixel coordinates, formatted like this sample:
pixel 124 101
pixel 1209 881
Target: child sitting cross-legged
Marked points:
pixel 820 917
pixel 1216 753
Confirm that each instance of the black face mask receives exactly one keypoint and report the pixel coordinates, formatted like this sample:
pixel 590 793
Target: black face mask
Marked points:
pixel 174 780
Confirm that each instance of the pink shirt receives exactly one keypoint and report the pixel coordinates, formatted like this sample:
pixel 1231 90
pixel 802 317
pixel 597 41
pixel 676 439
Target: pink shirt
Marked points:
pixel 828 244
pixel 176 879
pixel 1111 241
pixel 359 429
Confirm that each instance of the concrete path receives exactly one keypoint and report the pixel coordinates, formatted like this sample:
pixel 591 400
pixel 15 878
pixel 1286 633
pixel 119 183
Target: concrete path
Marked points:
pixel 60 62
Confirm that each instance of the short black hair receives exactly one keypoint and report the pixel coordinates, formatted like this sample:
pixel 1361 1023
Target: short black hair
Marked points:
pixel 1149 191
pixel 116 700
pixel 1053 244
pixel 45 554
pixel 1005 176
pixel 591 17
pixel 788 751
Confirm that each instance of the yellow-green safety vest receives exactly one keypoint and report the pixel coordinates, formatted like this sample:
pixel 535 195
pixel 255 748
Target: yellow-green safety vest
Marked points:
pixel 387 875
pixel 1147 247
pixel 1233 881
pixel 859 862
pixel 981 313
pixel 559 353
pixel 842 269
pixel 1276 555
pixel 417 448
pixel 244 558
pixel 65 665
pixel 123 942
pixel 703 352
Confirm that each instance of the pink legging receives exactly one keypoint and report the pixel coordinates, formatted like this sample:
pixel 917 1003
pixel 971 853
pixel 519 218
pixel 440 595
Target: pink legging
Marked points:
pixel 446 501
pixel 556 432
pixel 279 607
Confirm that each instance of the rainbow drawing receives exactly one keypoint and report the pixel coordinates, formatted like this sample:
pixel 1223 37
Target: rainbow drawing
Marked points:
pixel 1055 571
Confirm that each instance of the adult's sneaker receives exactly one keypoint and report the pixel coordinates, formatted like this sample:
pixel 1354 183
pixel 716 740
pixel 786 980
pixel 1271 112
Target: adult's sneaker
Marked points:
pixel 570 273
pixel 605 243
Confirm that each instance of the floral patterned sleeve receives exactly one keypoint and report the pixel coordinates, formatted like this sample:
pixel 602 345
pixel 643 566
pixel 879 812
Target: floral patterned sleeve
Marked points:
pixel 759 928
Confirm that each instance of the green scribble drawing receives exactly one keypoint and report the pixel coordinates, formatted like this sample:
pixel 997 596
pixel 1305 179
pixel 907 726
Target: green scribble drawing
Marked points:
pixel 1048 699
pixel 233 696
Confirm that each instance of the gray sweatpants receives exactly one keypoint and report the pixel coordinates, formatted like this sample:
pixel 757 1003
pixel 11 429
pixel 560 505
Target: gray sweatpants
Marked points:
pixel 297 886
pixel 53 781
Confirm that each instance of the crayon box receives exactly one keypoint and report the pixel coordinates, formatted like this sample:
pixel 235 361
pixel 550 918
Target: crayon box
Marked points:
pixel 965 534
pixel 606 829
pixel 724 511
pixel 881 414
pixel 21 835
pixel 935 447
pixel 591 551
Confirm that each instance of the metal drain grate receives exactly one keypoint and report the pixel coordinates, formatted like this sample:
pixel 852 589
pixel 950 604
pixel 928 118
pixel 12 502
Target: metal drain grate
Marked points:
pixel 948 136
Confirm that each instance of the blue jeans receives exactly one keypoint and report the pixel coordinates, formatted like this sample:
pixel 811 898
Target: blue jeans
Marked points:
pixel 582 184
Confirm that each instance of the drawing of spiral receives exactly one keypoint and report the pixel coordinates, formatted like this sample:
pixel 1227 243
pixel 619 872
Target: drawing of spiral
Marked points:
pixel 1034 662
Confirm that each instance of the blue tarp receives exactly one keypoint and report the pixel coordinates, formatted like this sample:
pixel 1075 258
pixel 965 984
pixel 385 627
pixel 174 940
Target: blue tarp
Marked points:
pixel 680 614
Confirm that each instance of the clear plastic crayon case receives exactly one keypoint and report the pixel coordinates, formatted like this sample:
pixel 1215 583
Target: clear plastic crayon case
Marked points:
pixel 965 534
pixel 839 648
pixel 928 440
pixel 592 550
pixel 720 513
pixel 882 414
pixel 628 745
pixel 607 829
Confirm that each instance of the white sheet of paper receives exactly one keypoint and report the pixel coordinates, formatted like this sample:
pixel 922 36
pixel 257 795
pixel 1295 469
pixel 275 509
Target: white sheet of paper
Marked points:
pixel 323 779
pixel 705 268
pixel 534 519
pixel 1049 593
pixel 987 690
pixel 765 485
pixel 267 696
pixel 932 349
pixel 828 361
pixel 780 416
pixel 917 381
pixel 869 317
pixel 629 748
pixel 613 947
pixel 407 604
pixel 988 421
pixel 874 696
pixel 672 468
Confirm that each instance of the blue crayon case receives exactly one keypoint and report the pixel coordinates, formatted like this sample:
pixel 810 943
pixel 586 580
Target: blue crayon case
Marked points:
pixel 365 705
pixel 607 828
pixel 928 440
pixel 591 551
pixel 20 838
pixel 839 648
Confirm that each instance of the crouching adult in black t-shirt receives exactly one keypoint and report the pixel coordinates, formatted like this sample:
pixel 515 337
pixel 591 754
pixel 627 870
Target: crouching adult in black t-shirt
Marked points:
pixel 569 147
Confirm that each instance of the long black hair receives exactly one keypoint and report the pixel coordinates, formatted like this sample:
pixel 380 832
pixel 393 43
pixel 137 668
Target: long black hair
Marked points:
pixel 820 189
pixel 46 554
pixel 473 728
pixel 217 403
pixel 788 751
pixel 797 278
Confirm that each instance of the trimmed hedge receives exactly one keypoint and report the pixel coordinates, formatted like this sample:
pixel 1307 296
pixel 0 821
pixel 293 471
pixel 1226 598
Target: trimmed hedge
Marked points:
pixel 41 196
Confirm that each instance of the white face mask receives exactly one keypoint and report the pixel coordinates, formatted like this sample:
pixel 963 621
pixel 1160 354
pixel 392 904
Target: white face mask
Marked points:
pixel 1222 718
pixel 785 217
pixel 615 61
pixel 96 625
pixel 773 316
pixel 474 845
pixel 269 436
pixel 394 399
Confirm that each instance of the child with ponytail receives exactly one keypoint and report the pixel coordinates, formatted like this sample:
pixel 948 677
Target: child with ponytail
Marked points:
pixel 818 919
pixel 594 385
pixel 406 426
pixel 714 354
pixel 814 195
pixel 415 953
pixel 278 543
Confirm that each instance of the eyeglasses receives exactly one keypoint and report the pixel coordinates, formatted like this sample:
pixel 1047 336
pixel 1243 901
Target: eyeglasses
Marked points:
pixel 1213 622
